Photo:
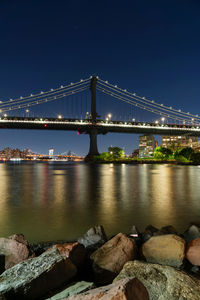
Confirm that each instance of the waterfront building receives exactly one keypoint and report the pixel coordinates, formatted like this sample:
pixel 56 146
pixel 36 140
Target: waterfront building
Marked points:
pixel 173 142
pixel 146 145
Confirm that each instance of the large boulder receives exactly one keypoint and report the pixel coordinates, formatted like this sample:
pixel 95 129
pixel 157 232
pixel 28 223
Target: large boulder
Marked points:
pixel 33 278
pixel 110 258
pixel 94 237
pixel 193 252
pixel 166 249
pixel 75 251
pixel 126 289
pixel 162 282
pixel 73 289
pixel 14 251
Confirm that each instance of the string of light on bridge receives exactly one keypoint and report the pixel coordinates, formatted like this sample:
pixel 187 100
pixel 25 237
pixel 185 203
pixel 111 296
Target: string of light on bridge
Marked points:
pixel 43 97
pixel 106 88
pixel 148 105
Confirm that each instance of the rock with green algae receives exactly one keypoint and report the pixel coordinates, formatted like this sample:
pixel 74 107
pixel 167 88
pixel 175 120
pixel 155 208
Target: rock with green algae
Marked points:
pixel 74 289
pixel 33 278
pixel 162 282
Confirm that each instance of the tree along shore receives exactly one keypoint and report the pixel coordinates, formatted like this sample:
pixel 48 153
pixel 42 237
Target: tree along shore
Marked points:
pixel 161 155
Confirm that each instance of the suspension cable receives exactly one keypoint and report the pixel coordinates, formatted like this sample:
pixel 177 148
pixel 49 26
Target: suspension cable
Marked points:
pixel 42 100
pixel 140 105
pixel 52 92
pixel 135 102
pixel 146 101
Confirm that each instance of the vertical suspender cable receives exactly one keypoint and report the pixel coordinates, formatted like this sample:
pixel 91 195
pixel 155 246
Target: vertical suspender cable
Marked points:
pixel 86 104
pixel 81 105
pixel 72 105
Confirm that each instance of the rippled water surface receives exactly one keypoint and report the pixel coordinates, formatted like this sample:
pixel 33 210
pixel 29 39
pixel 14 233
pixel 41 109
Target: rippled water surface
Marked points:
pixel 61 201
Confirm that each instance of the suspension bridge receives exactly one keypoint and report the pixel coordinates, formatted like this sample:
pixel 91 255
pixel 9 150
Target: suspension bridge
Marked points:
pixel 94 106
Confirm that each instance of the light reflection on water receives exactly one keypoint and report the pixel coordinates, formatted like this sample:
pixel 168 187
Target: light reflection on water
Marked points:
pixel 50 201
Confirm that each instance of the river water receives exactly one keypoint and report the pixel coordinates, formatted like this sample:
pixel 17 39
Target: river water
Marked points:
pixel 47 201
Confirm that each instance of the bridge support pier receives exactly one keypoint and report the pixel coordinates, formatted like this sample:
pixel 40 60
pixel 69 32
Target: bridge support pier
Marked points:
pixel 93 145
pixel 93 132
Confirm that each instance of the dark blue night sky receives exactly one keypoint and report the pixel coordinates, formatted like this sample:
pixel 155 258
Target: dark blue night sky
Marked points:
pixel 150 47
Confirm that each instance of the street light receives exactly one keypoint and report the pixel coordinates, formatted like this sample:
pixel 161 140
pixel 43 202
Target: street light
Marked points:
pixel 59 117
pixel 27 111
pixel 133 119
pixel 156 122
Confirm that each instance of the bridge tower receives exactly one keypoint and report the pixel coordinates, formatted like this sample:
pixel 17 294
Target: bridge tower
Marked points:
pixel 93 132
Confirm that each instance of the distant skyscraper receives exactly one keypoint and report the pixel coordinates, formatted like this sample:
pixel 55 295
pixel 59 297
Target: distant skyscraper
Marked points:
pixel 51 151
pixel 146 145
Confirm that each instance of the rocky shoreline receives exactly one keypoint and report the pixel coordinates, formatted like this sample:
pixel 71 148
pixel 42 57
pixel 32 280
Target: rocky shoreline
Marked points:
pixel 153 264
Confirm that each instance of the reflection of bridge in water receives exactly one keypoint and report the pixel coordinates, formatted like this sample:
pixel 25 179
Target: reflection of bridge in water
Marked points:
pixel 79 118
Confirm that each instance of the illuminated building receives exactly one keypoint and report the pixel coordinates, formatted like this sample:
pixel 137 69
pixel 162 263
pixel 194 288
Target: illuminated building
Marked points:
pixel 146 145
pixel 179 141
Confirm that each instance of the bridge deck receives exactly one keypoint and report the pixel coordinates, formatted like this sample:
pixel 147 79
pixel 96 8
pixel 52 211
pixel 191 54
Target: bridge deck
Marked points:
pixel 102 127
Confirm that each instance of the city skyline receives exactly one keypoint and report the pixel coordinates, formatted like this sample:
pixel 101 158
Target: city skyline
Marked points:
pixel 149 48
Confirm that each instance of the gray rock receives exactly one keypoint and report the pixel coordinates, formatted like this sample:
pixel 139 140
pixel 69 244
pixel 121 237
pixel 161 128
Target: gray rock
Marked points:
pixel 126 289
pixel 94 236
pixel 35 277
pixel 193 232
pixel 77 288
pixel 149 232
pixel 168 230
pixel 162 282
